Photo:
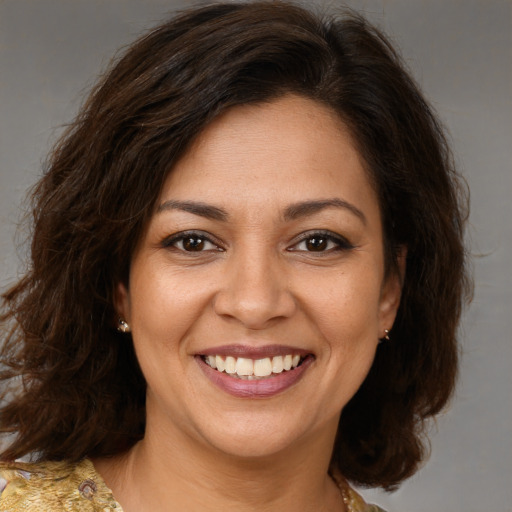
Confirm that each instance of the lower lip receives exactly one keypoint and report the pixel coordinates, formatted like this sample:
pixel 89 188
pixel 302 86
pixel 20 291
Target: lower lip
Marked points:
pixel 261 388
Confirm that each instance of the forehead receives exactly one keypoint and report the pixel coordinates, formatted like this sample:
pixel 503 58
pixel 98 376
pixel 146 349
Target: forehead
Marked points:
pixel 291 149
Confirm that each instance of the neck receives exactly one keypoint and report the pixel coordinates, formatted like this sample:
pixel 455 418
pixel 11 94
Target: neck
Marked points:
pixel 197 477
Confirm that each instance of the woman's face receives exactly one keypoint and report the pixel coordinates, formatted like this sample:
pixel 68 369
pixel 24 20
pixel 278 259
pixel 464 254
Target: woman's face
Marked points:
pixel 257 295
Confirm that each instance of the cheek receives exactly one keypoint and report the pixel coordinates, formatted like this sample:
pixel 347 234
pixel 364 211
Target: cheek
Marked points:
pixel 346 306
pixel 352 344
pixel 347 317
pixel 164 303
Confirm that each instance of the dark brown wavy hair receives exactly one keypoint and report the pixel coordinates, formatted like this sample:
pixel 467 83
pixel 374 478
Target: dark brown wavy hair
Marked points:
pixel 71 383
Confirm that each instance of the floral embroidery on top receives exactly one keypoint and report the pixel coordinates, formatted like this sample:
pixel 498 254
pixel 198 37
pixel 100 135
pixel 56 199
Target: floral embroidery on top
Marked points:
pixel 54 487
pixel 88 489
pixel 66 487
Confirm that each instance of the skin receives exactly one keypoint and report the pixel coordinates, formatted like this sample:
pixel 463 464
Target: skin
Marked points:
pixel 257 281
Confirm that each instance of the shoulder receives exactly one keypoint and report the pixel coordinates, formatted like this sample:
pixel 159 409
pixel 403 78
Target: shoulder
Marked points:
pixel 54 487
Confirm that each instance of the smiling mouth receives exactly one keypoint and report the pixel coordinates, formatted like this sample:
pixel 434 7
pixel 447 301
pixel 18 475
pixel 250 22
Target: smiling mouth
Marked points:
pixel 254 369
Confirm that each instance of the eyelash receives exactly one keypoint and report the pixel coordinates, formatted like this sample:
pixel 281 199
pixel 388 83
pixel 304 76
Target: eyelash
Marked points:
pixel 171 242
pixel 340 243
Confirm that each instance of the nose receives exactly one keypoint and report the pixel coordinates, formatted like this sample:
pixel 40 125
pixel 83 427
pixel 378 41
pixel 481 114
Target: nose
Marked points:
pixel 255 291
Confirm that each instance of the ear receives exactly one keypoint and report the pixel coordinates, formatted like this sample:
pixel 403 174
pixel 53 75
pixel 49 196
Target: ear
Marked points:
pixel 391 293
pixel 122 302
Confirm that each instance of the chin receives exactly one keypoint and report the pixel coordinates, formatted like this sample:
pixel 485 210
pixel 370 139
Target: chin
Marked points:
pixel 262 436
pixel 246 445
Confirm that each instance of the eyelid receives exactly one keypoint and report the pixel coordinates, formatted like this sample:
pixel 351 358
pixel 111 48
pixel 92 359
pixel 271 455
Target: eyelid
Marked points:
pixel 171 240
pixel 342 242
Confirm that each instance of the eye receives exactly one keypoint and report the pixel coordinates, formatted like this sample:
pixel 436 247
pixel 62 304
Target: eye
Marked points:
pixel 191 242
pixel 321 242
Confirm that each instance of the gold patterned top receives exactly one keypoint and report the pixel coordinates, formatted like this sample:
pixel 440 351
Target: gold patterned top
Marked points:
pixel 65 487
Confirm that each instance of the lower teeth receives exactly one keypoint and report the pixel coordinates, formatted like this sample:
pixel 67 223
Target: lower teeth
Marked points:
pixel 251 377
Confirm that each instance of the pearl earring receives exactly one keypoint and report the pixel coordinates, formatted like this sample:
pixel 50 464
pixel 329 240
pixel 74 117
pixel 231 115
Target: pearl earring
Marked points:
pixel 385 337
pixel 123 326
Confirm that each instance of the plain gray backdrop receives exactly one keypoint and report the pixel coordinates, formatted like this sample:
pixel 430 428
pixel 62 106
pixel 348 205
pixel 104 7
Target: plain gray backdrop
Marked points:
pixel 460 51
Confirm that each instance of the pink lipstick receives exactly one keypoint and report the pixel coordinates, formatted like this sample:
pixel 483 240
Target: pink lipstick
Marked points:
pixel 254 372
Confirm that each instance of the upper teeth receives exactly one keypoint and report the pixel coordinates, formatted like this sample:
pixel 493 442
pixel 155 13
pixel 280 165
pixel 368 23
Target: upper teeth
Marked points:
pixel 244 367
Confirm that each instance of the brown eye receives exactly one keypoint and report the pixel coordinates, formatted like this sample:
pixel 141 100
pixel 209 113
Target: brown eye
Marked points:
pixel 321 243
pixel 316 243
pixel 193 243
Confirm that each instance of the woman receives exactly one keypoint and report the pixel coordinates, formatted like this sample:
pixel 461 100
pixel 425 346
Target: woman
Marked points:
pixel 246 276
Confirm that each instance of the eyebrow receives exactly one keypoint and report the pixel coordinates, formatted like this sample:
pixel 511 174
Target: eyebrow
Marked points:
pixel 305 208
pixel 292 212
pixel 202 209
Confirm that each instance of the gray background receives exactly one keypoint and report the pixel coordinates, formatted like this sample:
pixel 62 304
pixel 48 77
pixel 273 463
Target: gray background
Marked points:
pixel 461 53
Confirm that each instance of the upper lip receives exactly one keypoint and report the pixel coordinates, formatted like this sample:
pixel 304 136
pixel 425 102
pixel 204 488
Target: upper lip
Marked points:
pixel 252 352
